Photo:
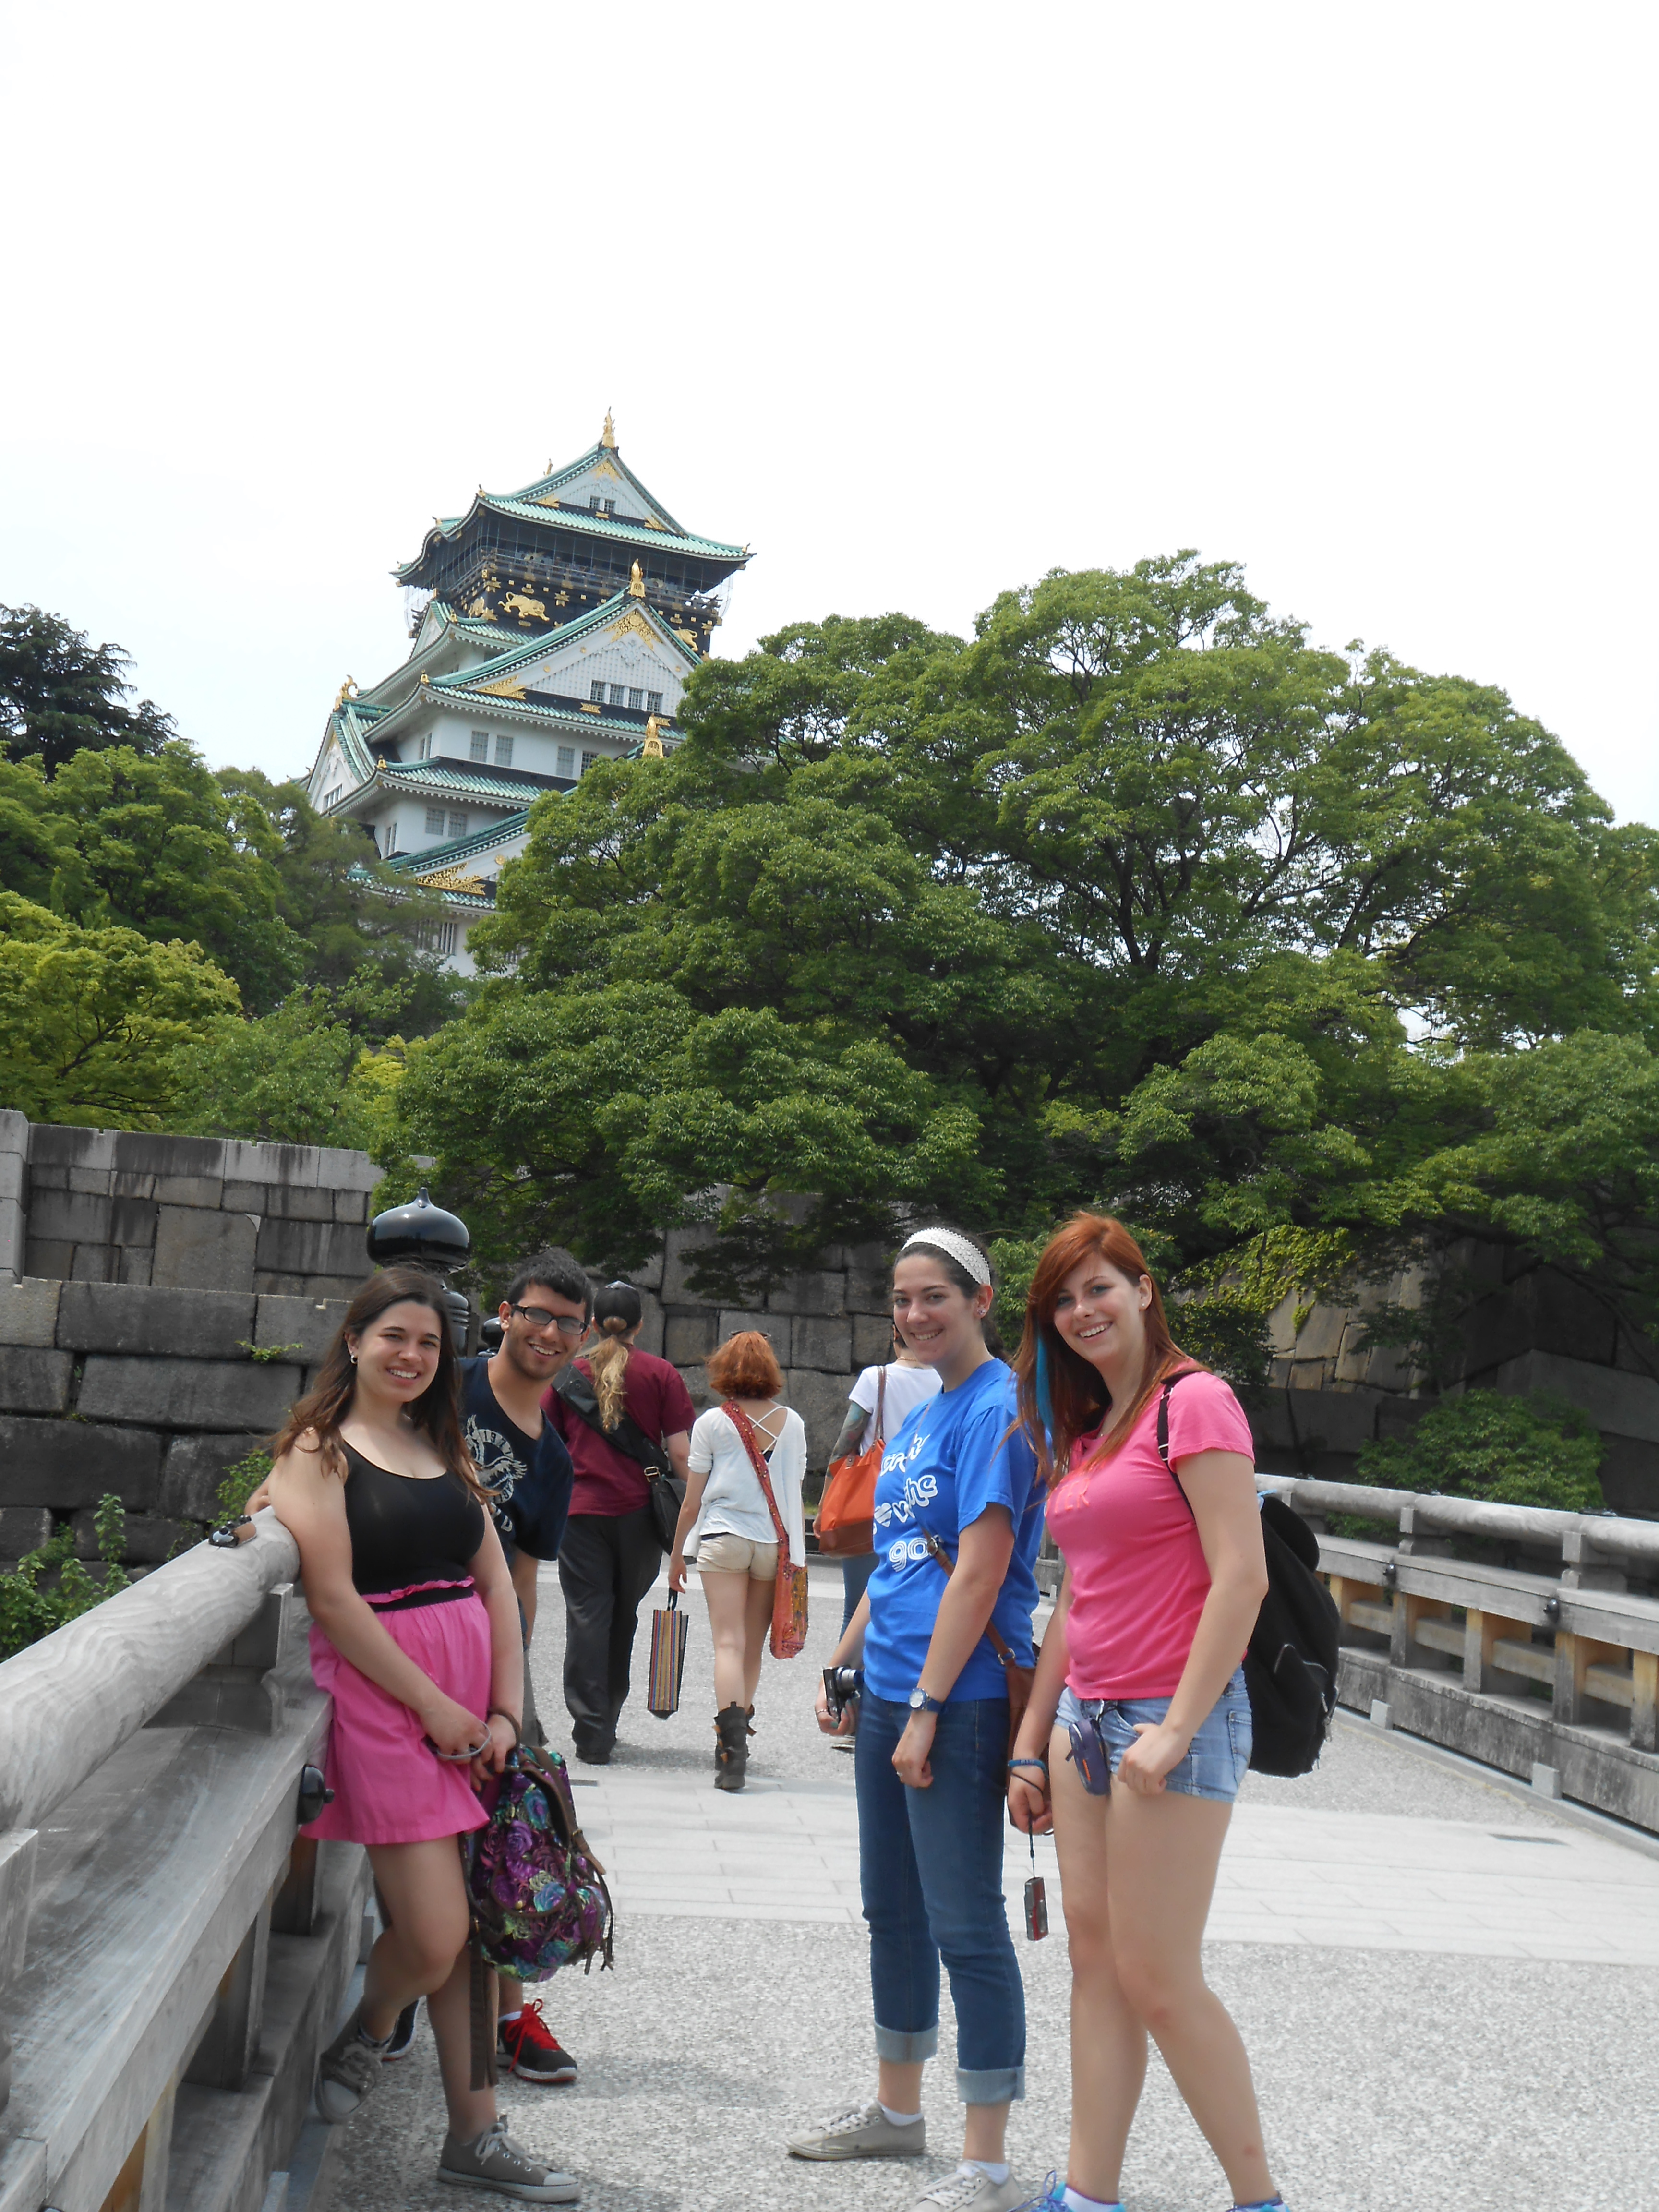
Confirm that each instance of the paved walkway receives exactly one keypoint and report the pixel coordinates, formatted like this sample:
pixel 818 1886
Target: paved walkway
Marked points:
pixel 1451 1998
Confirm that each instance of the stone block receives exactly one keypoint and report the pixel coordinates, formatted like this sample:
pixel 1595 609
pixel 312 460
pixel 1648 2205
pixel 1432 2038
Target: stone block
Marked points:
pixel 196 1190
pixel 819 1290
pixel 696 1380
pixel 869 1291
pixel 684 1247
pixel 648 1275
pixel 199 1248
pixel 49 1257
pixel 821 1401
pixel 311 1248
pixel 687 1337
pixel 163 1320
pixel 14 1238
pixel 339 1170
pixel 55 1145
pixel 732 1322
pixel 29 1311
pixel 22 1529
pixel 95 1263
pixel 873 1340
pixel 244 1197
pixel 93 1183
pixel 39 1178
pixel 308 1323
pixel 351 1206
pixel 652 1327
pixel 820 1342
pixel 195 1467
pixel 34 1381
pixel 73 1217
pixel 295 1203
pixel 326 1288
pixel 148 1538
pixel 137 1263
pixel 188 1393
pixel 13 1176
pixel 68 1463
pixel 131 1185
pixel 133 1221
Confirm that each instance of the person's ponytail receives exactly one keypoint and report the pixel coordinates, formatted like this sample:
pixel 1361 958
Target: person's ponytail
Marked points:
pixel 617 1310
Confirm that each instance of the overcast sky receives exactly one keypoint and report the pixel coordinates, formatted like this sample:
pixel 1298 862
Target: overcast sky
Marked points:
pixel 921 300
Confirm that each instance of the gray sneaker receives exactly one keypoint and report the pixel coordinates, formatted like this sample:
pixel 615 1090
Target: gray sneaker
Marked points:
pixel 861 2131
pixel 347 2071
pixel 972 2191
pixel 495 2161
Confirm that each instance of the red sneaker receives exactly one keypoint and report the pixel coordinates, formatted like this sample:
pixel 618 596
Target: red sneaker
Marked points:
pixel 531 2051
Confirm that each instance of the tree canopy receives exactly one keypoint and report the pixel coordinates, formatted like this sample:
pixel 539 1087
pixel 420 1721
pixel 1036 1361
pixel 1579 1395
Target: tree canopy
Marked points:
pixel 61 694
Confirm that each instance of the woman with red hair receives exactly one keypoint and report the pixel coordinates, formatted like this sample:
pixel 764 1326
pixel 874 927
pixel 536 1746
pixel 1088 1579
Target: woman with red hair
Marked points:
pixel 1137 1732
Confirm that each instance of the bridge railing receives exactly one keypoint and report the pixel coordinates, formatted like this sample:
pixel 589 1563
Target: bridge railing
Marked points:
pixel 1552 1675
pixel 171 1953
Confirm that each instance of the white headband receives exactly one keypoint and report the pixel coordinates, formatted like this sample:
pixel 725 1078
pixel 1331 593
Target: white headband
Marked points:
pixel 965 1255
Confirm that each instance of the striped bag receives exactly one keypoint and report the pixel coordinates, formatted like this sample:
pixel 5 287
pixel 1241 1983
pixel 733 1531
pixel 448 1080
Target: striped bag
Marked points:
pixel 668 1634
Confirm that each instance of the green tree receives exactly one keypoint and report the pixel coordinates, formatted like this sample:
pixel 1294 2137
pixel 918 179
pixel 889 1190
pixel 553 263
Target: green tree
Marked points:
pixel 306 1073
pixel 1517 1451
pixel 61 694
pixel 90 1018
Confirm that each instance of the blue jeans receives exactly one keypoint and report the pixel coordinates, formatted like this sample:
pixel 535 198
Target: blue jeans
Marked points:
pixel 855 1573
pixel 930 1867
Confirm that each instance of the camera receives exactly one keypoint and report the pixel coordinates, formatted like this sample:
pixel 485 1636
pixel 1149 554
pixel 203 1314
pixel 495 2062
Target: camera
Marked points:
pixel 841 1685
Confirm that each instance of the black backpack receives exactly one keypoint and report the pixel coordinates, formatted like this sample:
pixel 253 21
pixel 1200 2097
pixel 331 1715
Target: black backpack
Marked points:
pixel 1289 1669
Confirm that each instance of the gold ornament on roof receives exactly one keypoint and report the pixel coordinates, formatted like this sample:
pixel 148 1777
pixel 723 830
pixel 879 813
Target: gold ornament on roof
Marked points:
pixel 508 688
pixel 456 878
pixel 636 582
pixel 632 624
pixel 653 748
pixel 347 690
pixel 608 435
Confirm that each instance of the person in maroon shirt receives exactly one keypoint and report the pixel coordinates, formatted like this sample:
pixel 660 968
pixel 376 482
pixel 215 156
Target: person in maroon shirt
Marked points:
pixel 610 1554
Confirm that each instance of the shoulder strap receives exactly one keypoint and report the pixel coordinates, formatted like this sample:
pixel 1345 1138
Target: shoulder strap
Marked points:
pixel 881 1405
pixel 579 1394
pixel 994 1635
pixel 745 1429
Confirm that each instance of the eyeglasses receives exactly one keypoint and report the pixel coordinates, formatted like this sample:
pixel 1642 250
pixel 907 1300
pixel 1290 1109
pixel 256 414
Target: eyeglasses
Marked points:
pixel 538 1318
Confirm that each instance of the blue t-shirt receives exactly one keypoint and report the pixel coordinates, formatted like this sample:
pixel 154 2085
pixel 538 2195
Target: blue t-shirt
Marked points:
pixel 528 1478
pixel 951 1459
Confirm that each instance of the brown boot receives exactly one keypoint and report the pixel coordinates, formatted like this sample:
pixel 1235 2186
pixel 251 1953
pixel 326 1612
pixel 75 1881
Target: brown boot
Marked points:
pixel 731 1755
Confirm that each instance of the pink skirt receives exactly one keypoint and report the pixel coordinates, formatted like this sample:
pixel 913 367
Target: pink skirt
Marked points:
pixel 390 1786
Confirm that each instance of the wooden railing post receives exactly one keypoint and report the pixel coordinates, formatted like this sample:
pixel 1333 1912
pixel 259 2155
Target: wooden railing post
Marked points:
pixel 225 2051
pixel 1644 1703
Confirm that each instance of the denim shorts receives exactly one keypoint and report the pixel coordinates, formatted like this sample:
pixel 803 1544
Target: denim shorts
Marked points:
pixel 1216 1758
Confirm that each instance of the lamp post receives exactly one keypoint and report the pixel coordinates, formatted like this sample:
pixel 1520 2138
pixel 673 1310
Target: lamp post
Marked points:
pixel 422 1234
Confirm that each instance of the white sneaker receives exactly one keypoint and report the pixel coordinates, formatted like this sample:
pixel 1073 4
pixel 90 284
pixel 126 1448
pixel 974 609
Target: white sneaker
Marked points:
pixel 861 2131
pixel 967 2189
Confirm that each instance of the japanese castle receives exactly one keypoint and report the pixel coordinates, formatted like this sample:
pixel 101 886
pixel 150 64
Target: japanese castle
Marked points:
pixel 552 628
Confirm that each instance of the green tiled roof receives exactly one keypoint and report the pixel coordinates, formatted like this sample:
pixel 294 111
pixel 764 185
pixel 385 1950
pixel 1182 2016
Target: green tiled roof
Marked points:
pixel 471 901
pixel 461 849
pixel 455 779
pixel 524 649
pixel 584 521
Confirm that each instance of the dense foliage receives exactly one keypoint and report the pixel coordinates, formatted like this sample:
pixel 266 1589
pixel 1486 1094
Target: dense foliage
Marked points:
pixel 1518 1451
pixel 1133 899
pixel 48 1588
pixel 61 694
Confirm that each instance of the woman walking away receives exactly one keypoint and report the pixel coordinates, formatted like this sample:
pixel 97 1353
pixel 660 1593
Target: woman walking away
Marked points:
pixel 878 1403
pixel 1137 1732
pixel 625 1403
pixel 415 1635
pixel 957 1522
pixel 726 1523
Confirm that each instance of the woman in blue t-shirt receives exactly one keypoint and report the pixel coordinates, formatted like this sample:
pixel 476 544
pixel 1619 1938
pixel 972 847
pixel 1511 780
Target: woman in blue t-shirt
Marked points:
pixel 933 1734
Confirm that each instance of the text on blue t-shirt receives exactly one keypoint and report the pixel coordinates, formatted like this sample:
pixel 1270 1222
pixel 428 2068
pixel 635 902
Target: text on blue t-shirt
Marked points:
pixel 951 1458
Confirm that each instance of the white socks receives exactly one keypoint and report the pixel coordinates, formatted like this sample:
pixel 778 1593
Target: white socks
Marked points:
pixel 1076 2202
pixel 900 2119
pixel 995 2170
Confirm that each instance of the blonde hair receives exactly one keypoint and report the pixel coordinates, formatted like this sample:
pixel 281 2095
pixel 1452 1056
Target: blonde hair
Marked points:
pixel 617 1308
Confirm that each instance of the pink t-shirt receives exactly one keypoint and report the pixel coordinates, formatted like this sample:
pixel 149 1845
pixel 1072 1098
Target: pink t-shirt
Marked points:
pixel 1139 1579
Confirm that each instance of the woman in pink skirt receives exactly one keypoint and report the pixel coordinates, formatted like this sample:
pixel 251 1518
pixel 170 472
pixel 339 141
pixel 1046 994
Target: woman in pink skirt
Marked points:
pixel 417 1639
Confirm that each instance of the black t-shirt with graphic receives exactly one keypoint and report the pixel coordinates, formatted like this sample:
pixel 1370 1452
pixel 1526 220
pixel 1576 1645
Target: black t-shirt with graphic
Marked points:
pixel 528 1478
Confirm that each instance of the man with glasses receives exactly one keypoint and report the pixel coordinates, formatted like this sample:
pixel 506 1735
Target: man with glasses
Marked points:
pixel 522 1461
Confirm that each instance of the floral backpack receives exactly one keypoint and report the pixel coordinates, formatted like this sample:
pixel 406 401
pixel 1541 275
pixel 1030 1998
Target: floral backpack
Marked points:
pixel 537 1892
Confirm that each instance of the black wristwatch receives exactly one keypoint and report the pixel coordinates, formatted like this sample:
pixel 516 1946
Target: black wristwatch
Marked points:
pixel 922 1703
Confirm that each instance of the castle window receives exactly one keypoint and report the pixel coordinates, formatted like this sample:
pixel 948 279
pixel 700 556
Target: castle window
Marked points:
pixel 503 752
pixel 598 506
pixel 567 760
pixel 636 701
pixel 391 835
pixel 329 798
pixel 480 742
pixel 654 702
pixel 618 694
pixel 435 822
pixel 589 760
pixel 438 937
pixel 457 825
pixel 596 693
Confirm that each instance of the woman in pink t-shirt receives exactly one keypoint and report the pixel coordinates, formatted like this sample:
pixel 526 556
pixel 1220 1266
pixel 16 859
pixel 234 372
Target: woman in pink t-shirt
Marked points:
pixel 1137 1733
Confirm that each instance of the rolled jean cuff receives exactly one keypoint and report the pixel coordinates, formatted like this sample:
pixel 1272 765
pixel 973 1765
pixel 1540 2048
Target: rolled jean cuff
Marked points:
pixel 991 2085
pixel 907 2047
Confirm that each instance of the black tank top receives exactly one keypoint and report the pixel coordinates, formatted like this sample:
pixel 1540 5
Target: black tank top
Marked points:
pixel 408 1529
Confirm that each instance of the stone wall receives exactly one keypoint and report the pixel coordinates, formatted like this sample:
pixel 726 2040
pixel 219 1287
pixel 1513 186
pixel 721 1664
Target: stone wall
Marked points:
pixel 109 1206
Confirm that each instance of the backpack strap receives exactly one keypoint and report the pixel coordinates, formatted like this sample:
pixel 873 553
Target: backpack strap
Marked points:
pixel 629 1438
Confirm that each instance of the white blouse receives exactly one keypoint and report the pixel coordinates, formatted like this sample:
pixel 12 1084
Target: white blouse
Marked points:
pixel 733 1500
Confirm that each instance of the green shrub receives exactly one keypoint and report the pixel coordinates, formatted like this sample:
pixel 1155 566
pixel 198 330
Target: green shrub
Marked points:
pixel 28 1611
pixel 1517 1451
pixel 238 1484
